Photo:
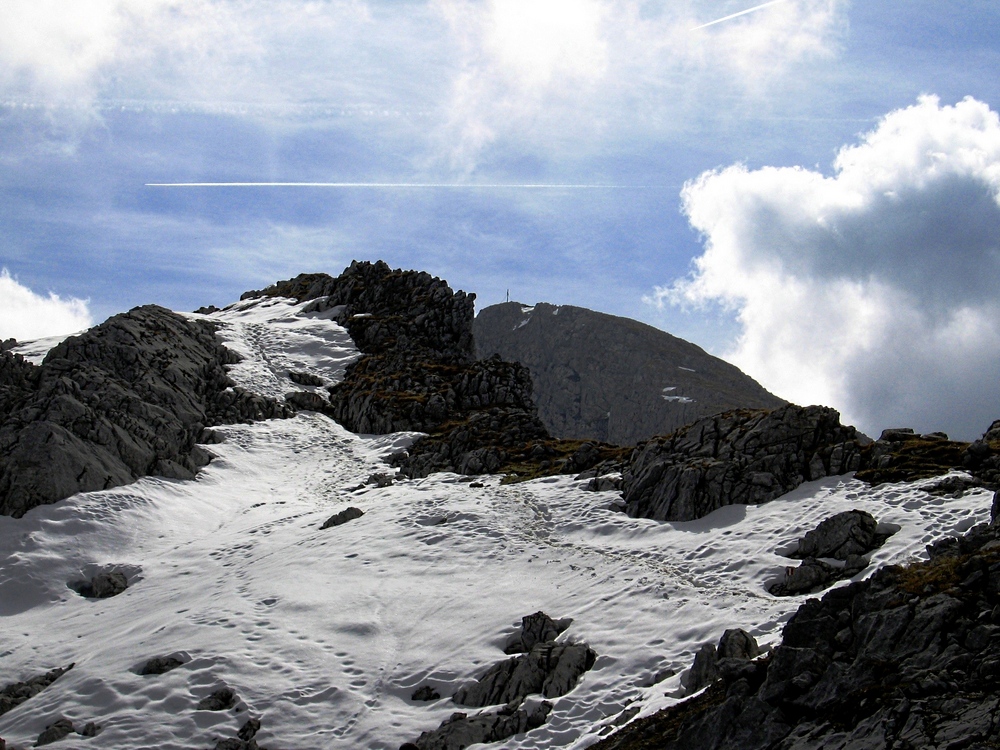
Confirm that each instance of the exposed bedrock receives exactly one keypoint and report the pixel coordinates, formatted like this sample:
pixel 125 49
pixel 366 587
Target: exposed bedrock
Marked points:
pixel 601 377
pixel 128 398
pixel 739 457
pixel 16 693
pixel 461 730
pixel 419 372
pixel 907 659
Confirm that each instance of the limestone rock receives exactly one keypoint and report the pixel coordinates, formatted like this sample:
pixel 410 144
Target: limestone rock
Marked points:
pixel 736 647
pixel 853 532
pixel 425 693
pixel 535 629
pixel 126 399
pixel 814 575
pixel 602 377
pixel 739 457
pixel 104 585
pixel 551 669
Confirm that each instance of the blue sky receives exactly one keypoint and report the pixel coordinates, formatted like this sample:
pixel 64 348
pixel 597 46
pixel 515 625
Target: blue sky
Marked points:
pixel 101 97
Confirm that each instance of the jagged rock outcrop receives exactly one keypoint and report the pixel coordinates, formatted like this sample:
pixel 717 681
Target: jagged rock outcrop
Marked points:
pixel 602 377
pixel 244 739
pixel 461 730
pixel 419 371
pixel 16 693
pixel 104 585
pixel 160 665
pixel 909 658
pixel 342 517
pixel 736 648
pixel 128 398
pixel 221 700
pixel 536 628
pixel 852 532
pixel 739 457
pixel 551 669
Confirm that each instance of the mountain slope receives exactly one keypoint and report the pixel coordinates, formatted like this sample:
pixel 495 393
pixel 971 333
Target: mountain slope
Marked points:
pixel 325 634
pixel 602 377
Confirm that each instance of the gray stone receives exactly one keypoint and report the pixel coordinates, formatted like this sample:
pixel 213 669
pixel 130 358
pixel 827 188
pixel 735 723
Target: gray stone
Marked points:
pixel 126 399
pixel 160 665
pixel 337 519
pixel 740 457
pixel 611 379
pixel 535 629
pixel 55 731
pixel 108 584
pixel 551 669
pixel 852 532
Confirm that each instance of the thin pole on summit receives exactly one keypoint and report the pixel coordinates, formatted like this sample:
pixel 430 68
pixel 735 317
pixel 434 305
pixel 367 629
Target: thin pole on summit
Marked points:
pixel 508 295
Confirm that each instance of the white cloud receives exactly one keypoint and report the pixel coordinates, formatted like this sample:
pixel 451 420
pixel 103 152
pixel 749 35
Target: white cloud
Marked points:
pixel 551 69
pixel 872 289
pixel 25 315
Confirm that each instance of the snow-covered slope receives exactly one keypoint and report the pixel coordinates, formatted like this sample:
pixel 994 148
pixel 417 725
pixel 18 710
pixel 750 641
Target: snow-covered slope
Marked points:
pixel 325 634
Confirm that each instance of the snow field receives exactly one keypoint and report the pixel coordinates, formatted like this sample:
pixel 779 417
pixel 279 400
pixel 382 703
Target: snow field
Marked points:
pixel 324 635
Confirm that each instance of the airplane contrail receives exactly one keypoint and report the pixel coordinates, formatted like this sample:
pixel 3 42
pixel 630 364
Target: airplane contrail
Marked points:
pixel 529 186
pixel 737 15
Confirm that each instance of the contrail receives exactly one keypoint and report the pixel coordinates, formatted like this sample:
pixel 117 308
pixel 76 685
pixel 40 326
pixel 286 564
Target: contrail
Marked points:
pixel 737 15
pixel 473 186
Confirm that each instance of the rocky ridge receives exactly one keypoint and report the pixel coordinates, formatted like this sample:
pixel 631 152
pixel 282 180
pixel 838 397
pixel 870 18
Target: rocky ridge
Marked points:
pixel 738 457
pixel 611 379
pixel 129 398
pixel 419 371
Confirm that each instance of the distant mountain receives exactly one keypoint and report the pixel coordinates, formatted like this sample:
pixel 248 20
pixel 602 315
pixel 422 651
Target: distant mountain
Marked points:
pixel 601 377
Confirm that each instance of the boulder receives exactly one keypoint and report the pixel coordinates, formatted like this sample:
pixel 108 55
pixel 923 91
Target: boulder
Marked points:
pixel 105 585
pixel 425 693
pixel 55 731
pixel 736 648
pixel 551 669
pixel 337 519
pixel 739 457
pixel 814 575
pixel 853 532
pixel 535 629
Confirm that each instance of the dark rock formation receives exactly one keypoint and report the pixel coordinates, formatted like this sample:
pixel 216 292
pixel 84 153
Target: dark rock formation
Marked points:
pixel 348 514
pixel 16 693
pixel 128 398
pixel 853 532
pixel 601 377
pixel 425 693
pixel 535 629
pixel 160 665
pixel 551 669
pixel 815 575
pixel 460 731
pixel 102 586
pixel 740 457
pixel 735 649
pixel 221 700
pixel 909 658
pixel 55 731
pixel 419 370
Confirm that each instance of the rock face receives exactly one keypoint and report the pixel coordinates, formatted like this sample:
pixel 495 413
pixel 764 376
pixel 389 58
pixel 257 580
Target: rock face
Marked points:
pixel 535 629
pixel 736 648
pixel 419 371
pixel 740 457
pixel 128 398
pixel 853 532
pixel 601 377
pixel 551 669
pixel 909 658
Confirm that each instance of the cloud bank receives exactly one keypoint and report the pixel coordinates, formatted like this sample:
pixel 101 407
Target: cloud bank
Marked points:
pixel 874 288
pixel 25 315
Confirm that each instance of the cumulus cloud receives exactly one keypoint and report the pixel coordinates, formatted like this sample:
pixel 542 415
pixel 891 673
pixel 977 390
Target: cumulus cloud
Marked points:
pixel 873 288
pixel 561 67
pixel 25 315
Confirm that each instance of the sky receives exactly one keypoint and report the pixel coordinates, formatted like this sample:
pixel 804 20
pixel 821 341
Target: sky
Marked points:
pixel 809 189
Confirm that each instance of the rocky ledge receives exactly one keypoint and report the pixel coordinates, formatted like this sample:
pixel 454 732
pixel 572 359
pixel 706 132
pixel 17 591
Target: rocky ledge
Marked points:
pixel 129 398
pixel 738 457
